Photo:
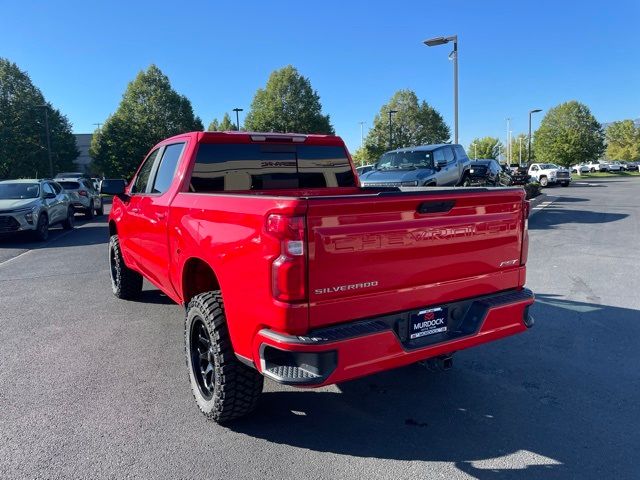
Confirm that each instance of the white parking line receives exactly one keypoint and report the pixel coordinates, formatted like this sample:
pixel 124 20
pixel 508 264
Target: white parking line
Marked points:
pixel 542 205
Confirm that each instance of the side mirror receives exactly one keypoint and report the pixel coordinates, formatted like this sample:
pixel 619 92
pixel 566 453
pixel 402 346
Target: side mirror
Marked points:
pixel 440 164
pixel 113 186
pixel 49 195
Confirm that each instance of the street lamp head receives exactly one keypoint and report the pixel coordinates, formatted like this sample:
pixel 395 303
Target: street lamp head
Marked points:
pixel 433 42
pixel 392 111
pixel 536 110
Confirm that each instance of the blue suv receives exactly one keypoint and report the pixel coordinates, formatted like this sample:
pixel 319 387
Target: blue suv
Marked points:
pixel 425 165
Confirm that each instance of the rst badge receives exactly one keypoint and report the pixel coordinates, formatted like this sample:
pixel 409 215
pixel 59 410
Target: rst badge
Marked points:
pixel 428 322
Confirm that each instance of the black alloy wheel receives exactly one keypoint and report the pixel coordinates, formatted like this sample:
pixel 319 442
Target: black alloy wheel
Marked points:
pixel 202 358
pixel 42 228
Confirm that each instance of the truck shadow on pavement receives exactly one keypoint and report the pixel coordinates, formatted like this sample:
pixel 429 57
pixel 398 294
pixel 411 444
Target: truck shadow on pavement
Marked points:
pixel 552 216
pixel 571 200
pixel 537 405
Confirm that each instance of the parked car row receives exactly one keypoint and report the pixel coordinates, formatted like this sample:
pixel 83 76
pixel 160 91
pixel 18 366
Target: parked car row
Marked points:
pixel 449 165
pixel 605 166
pixel 34 205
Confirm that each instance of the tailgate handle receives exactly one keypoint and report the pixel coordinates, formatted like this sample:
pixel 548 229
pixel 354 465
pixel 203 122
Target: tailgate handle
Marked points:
pixel 436 206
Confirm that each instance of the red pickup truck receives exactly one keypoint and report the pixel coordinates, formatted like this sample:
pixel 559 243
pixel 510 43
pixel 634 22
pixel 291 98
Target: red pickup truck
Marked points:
pixel 289 269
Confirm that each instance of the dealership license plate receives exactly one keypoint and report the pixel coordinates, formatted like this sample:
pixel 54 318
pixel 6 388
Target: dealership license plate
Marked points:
pixel 428 322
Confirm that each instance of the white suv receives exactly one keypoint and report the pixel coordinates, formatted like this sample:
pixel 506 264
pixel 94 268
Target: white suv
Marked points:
pixel 597 166
pixel 84 197
pixel 548 173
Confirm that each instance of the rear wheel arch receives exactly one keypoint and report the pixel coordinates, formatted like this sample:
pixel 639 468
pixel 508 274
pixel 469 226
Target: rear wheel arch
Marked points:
pixel 113 230
pixel 197 277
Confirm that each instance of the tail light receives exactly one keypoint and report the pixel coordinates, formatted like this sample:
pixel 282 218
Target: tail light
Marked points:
pixel 288 272
pixel 82 193
pixel 524 252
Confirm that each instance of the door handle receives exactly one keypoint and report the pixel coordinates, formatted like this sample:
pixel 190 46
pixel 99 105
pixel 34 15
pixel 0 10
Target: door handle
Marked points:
pixel 135 210
pixel 161 216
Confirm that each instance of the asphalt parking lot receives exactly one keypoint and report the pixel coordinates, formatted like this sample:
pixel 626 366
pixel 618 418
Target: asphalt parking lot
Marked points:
pixel 94 387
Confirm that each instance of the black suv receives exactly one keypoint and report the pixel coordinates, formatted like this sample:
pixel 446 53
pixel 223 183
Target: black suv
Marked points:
pixel 488 172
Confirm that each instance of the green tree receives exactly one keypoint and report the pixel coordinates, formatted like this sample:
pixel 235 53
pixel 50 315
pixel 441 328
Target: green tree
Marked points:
pixel 226 125
pixel 568 134
pixel 360 157
pixel 415 123
pixel 150 111
pixel 485 147
pixel 214 126
pixel 23 147
pixel 623 140
pixel 288 103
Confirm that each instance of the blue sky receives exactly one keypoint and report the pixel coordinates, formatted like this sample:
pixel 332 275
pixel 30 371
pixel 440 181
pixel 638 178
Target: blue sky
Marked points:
pixel 514 56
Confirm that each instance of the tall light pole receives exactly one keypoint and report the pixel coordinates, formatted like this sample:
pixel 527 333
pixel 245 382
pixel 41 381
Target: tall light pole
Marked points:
pixel 529 147
pixel 520 151
pixel 238 110
pixel 46 125
pixel 391 112
pixel 509 141
pixel 362 133
pixel 432 42
pixel 475 151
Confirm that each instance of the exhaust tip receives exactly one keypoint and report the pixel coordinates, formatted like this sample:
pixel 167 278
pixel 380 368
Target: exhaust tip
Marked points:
pixel 441 363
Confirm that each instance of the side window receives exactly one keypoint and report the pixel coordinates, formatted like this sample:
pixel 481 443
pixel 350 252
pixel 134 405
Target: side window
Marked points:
pixel 167 168
pixel 47 188
pixel 438 155
pixel 57 188
pixel 142 179
pixel 448 154
pixel 534 168
pixel 460 153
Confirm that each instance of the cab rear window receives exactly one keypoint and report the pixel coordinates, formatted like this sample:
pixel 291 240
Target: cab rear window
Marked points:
pixel 237 167
pixel 69 185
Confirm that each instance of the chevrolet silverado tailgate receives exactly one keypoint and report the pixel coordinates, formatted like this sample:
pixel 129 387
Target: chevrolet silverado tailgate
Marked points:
pixel 376 254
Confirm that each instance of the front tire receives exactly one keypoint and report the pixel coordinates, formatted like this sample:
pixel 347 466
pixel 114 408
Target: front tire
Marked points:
pixel 42 228
pixel 224 388
pixel 126 284
pixel 100 211
pixel 544 181
pixel 466 181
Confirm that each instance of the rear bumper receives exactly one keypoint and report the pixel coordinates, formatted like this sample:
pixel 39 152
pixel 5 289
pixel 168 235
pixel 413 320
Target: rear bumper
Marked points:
pixel 350 350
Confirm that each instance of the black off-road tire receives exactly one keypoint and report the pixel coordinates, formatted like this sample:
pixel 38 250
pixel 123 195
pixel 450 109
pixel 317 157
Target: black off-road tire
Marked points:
pixel 89 211
pixel 41 232
pixel 230 389
pixel 466 181
pixel 70 222
pixel 126 284
pixel 100 211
